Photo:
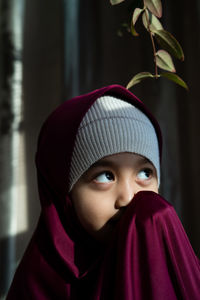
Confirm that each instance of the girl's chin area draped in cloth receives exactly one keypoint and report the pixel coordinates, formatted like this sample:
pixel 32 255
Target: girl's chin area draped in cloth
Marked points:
pixel 150 256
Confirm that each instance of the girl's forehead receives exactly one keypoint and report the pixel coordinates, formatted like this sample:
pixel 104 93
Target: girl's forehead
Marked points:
pixel 120 160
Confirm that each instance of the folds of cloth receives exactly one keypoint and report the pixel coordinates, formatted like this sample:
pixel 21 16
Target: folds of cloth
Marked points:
pixel 150 257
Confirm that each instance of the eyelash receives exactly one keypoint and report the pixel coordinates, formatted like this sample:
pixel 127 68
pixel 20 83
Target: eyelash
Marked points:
pixel 106 173
pixel 148 174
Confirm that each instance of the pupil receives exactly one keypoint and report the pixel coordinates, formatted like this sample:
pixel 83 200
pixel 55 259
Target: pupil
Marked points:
pixel 147 172
pixel 109 176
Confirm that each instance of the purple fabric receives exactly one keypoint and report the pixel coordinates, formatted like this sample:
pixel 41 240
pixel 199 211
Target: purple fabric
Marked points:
pixel 149 256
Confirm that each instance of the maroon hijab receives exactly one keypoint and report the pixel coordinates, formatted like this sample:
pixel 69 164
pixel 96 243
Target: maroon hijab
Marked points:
pixel 149 256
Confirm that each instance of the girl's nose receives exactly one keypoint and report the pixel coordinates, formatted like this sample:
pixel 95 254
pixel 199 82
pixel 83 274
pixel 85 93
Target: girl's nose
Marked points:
pixel 125 193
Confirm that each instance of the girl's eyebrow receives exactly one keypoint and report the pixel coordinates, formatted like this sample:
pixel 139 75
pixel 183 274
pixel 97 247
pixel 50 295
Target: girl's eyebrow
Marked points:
pixel 145 160
pixel 103 163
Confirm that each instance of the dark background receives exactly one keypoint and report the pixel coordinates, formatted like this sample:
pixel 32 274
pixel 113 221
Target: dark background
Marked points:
pixel 70 47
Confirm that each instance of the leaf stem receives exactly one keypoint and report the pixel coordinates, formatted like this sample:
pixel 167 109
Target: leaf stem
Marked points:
pixel 152 41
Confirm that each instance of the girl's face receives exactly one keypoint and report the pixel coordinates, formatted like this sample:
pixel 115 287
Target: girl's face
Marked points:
pixel 107 187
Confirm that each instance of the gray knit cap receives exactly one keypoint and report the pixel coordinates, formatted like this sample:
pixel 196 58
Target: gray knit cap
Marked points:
pixel 112 126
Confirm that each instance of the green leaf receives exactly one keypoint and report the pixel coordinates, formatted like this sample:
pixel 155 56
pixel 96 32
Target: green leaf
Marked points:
pixel 139 77
pixel 114 2
pixel 175 78
pixel 136 15
pixel 169 43
pixel 164 61
pixel 154 23
pixel 155 6
pixel 133 31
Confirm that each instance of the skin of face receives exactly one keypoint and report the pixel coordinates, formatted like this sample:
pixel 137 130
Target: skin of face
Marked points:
pixel 102 193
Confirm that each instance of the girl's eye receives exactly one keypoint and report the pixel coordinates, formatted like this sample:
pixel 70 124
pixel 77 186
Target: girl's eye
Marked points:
pixel 104 177
pixel 145 174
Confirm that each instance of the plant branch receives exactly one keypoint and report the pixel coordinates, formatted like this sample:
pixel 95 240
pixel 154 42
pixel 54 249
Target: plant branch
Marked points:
pixel 152 41
pixel 151 11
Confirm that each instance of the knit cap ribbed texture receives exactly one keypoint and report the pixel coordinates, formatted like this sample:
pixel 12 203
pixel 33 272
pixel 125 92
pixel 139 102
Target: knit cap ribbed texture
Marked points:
pixel 109 127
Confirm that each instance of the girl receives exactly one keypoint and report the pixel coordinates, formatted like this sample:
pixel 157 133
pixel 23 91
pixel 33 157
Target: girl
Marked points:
pixel 104 231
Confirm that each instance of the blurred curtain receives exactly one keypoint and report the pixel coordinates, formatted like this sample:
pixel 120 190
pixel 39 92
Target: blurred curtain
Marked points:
pixel 69 47
pixel 31 85
pixel 13 220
